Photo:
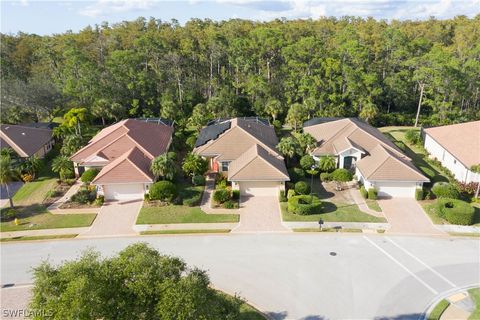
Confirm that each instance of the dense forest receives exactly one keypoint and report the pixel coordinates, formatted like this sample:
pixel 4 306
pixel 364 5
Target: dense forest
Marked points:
pixel 285 70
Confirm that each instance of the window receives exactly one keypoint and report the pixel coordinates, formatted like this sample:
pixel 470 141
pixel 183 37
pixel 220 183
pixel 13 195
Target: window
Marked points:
pixel 225 165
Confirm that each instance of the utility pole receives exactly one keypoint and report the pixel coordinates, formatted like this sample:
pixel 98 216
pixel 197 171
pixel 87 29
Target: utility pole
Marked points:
pixel 422 86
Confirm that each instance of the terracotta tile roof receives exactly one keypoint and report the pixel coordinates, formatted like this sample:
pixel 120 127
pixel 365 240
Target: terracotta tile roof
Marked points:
pixel 152 138
pixel 241 136
pixel 385 165
pixel 338 133
pixel 461 140
pixel 26 141
pixel 257 164
pixel 132 166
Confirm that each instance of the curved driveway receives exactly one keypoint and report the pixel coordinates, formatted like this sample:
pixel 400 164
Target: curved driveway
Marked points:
pixel 295 276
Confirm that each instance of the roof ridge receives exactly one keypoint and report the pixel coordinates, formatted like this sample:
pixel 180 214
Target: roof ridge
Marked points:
pixel 134 164
pixel 396 158
pixel 100 139
pixel 246 164
pixel 382 163
pixel 271 165
pixel 261 142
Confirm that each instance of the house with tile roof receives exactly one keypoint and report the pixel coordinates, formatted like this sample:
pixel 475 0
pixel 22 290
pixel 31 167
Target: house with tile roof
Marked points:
pixel 457 147
pixel 123 153
pixel 26 140
pixel 244 150
pixel 359 147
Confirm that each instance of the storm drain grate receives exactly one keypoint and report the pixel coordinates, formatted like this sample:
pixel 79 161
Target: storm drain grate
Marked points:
pixel 333 254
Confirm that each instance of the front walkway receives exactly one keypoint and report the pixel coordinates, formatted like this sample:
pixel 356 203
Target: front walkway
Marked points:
pixel 206 203
pixel 115 218
pixel 362 205
pixel 260 214
pixel 406 216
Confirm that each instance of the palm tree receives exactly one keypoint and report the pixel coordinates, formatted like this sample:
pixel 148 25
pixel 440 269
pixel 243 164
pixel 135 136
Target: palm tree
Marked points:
pixel 63 166
pixel 31 165
pixel 7 173
pixel 288 146
pixel 164 166
pixel 327 163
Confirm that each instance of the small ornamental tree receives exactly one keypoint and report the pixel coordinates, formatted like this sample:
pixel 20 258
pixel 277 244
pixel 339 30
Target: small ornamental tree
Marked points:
pixel 327 163
pixel 89 175
pixel 194 165
pixel 342 175
pixel 307 162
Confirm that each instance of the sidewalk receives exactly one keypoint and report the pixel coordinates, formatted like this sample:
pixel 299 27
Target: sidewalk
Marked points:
pixel 342 225
pixel 183 226
pixel 43 232
pixel 362 205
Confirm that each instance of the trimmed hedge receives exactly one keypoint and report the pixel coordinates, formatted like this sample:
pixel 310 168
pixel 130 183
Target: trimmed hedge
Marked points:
pixel 89 175
pixel 419 194
pixel 445 190
pixel 342 175
pixel 363 192
pixel 325 177
pixel 302 187
pixel 372 193
pixel 304 205
pixel 221 195
pixel 456 211
pixel 163 190
pixel 291 193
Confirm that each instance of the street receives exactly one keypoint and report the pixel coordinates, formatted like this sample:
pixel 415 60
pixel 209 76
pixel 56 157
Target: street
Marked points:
pixel 299 275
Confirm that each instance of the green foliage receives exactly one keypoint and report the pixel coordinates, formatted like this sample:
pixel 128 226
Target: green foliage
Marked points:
pixel 291 193
pixel 63 166
pixel 296 174
pixel 475 168
pixel 221 195
pixel 164 166
pixel 325 177
pixel 236 194
pixel 306 142
pixel 307 162
pixel 7 214
pixel 372 194
pixel 198 180
pixel 302 187
pixel 221 182
pixel 100 200
pixel 364 192
pixel 413 136
pixel 31 165
pixel 327 163
pixel 282 196
pixel 89 175
pixel 445 190
pixel 230 204
pixel 193 200
pixel 342 175
pixel 288 146
pixel 304 205
pixel 163 190
pixel 194 165
pixel 138 281
pixel 419 194
pixel 455 211
pixel 84 196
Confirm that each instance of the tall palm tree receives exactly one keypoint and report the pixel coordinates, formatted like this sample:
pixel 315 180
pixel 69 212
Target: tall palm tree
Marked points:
pixel 327 163
pixel 63 166
pixel 288 146
pixel 164 166
pixel 7 173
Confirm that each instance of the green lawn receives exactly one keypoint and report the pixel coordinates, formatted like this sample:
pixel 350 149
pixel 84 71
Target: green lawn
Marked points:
pixel 438 310
pixel 373 205
pixel 181 214
pixel 475 295
pixel 25 238
pixel 416 153
pixel 40 218
pixel 35 192
pixel 190 231
pixel 429 208
pixel 333 212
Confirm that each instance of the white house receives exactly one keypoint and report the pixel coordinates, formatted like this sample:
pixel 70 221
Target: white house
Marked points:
pixel 357 146
pixel 457 147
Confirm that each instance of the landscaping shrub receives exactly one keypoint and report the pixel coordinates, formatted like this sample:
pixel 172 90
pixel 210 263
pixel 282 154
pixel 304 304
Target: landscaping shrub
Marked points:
pixel 193 200
pixel 7 214
pixel 325 177
pixel 363 192
pixel 163 190
pixel 89 175
pixel 51 194
pixel 413 136
pixel 306 162
pixel 282 197
pixel 27 177
pixel 296 174
pixel 84 196
pixel 468 188
pixel 221 182
pixel 304 205
pixel 342 175
pixel 456 211
pixel 221 195
pixel 198 180
pixel 146 197
pixel 230 204
pixel 100 200
pixel 291 193
pixel 235 194
pixel 372 194
pixel 290 185
pixel 190 141
pixel 302 187
pixel 69 182
pixel 445 190
pixel 419 194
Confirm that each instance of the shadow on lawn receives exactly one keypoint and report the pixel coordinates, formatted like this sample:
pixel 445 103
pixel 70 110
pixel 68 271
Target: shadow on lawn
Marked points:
pixel 328 207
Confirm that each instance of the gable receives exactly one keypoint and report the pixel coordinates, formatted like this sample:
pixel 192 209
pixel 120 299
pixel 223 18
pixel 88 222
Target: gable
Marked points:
pixel 258 169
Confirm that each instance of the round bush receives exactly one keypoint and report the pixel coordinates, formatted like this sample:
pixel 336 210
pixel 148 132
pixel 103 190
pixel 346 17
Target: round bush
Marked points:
pixel 307 162
pixel 342 175
pixel 325 177
pixel 221 195
pixel 445 190
pixel 372 193
pixel 89 175
pixel 456 211
pixel 163 190
pixel 304 205
pixel 302 187
pixel 198 180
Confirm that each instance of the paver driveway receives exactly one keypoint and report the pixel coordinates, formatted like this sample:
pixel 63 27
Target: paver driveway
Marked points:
pixel 407 216
pixel 260 214
pixel 115 219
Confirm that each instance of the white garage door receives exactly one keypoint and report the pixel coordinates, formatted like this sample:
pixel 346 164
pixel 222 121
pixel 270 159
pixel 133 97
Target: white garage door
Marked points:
pixel 123 191
pixel 396 191
pixel 259 188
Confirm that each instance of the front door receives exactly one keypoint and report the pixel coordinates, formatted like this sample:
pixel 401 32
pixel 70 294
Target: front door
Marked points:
pixel 349 162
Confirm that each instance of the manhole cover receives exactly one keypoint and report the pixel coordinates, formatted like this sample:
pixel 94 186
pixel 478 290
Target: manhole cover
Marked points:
pixel 333 254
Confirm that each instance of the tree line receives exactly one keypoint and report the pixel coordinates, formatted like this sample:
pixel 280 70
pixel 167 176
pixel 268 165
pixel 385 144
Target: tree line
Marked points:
pixel 286 70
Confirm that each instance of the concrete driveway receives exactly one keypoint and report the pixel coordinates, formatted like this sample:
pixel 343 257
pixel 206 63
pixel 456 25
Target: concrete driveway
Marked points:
pixel 260 214
pixel 406 216
pixel 116 218
pixel 13 188
pixel 296 275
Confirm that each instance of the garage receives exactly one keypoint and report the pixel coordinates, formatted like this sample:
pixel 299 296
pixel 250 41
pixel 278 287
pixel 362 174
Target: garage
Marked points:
pixel 396 189
pixel 123 191
pixel 260 188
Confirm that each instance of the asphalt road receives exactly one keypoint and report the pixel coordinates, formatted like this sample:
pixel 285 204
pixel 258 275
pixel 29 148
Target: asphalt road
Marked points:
pixel 298 276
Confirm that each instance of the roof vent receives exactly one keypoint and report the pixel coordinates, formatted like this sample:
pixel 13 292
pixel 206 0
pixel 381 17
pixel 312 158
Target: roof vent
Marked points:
pixel 23 133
